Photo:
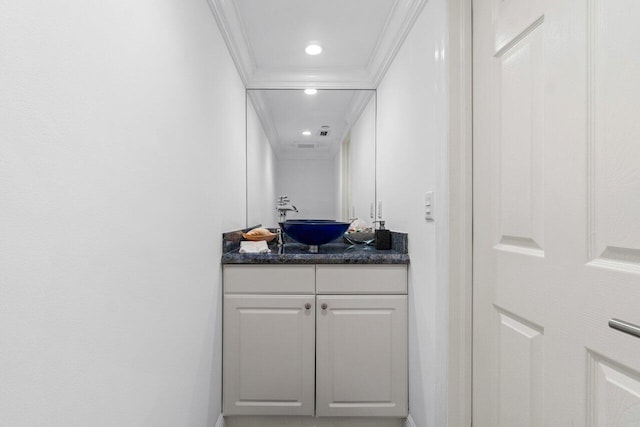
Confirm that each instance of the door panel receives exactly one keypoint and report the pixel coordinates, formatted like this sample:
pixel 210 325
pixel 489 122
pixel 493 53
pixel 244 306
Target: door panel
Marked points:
pixel 268 340
pixel 520 354
pixel 614 173
pixel 509 198
pixel 520 176
pixel 556 211
pixel 362 356
pixel 513 19
pixel 614 392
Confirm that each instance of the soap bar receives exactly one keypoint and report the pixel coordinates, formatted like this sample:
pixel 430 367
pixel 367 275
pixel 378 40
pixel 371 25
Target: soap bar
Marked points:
pixel 383 239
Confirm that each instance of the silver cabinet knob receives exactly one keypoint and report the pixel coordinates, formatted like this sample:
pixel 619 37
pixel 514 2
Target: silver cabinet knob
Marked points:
pixel 324 306
pixel 307 306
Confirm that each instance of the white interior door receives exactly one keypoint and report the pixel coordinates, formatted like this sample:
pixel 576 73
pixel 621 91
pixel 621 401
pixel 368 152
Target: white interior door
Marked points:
pixel 556 212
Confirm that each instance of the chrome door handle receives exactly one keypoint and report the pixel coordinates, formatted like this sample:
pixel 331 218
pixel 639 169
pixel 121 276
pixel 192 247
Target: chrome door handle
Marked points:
pixel 307 306
pixel 324 306
pixel 626 327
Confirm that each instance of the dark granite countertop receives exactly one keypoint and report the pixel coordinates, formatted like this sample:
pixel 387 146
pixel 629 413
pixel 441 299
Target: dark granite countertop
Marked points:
pixel 337 252
pixel 331 253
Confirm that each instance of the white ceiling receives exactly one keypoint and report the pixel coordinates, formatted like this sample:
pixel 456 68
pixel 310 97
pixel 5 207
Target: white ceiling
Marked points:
pixel 360 38
pixel 285 114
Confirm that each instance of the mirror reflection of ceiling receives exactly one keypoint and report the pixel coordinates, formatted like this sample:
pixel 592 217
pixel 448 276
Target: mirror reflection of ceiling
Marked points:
pixel 327 116
pixel 267 40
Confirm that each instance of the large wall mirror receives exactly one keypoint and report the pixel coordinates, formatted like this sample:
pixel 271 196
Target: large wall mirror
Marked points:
pixel 316 147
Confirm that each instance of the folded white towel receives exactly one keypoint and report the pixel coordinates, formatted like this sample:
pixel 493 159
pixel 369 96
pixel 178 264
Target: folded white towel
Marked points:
pixel 249 247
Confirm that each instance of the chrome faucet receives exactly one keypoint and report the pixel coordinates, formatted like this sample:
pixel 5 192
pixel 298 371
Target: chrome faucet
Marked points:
pixel 284 206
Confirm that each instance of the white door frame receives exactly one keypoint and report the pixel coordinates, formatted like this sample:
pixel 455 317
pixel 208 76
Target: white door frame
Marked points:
pixel 460 189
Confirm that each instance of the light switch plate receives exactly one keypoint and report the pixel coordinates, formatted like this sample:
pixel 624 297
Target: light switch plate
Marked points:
pixel 429 206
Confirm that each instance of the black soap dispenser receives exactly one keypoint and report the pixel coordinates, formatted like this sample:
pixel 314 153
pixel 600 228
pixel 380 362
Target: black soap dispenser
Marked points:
pixel 383 237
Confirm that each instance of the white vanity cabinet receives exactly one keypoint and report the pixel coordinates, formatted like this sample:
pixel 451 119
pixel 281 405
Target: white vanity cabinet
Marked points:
pixel 325 340
pixel 268 343
pixel 361 340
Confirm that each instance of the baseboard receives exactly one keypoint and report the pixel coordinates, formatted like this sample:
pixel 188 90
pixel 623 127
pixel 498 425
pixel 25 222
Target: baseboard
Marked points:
pixel 309 421
pixel 220 422
pixel 410 422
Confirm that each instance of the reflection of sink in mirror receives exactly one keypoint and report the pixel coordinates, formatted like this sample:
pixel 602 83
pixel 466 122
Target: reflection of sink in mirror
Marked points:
pixel 328 173
pixel 314 232
pixel 360 237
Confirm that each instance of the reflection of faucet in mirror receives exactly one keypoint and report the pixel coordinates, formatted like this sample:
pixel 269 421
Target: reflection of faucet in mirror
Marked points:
pixel 284 206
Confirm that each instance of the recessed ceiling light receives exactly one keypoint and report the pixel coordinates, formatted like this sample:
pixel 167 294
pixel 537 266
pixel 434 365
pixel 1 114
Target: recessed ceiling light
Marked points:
pixel 311 91
pixel 313 49
pixel 306 133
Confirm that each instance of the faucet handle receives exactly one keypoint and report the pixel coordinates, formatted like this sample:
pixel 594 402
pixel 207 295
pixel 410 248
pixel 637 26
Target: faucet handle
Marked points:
pixel 283 200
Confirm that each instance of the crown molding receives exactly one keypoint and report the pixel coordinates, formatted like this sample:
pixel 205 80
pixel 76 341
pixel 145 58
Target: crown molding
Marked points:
pixel 359 103
pixel 357 106
pixel 232 30
pixel 396 30
pixel 266 121
pixel 397 27
pixel 300 79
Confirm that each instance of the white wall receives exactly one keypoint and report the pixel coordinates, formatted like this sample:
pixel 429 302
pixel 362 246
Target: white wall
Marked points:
pixel 310 185
pixel 411 160
pixel 261 176
pixel 122 128
pixel 362 164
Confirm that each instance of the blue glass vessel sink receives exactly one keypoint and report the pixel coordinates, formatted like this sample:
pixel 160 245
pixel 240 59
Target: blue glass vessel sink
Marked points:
pixel 314 232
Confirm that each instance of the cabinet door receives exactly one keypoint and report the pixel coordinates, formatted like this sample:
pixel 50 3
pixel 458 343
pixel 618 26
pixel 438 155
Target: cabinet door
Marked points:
pixel 268 355
pixel 362 355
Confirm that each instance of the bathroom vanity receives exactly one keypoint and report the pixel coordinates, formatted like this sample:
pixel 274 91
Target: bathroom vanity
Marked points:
pixel 315 339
